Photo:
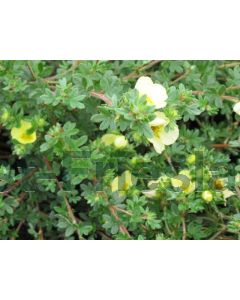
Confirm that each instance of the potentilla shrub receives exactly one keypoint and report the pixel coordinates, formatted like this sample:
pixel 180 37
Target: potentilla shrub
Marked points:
pixel 119 150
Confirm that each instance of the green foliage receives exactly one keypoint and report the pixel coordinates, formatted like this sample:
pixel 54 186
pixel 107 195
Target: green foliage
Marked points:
pixel 60 186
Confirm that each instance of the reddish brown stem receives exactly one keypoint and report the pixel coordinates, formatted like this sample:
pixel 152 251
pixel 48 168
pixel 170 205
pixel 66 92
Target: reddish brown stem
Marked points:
pixel 102 97
pixel 122 228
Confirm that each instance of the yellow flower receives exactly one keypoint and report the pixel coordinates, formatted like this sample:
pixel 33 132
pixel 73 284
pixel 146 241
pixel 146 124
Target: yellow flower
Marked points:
pixel 236 108
pixel 21 133
pixel 123 183
pixel 161 136
pixel 156 93
pixel 118 141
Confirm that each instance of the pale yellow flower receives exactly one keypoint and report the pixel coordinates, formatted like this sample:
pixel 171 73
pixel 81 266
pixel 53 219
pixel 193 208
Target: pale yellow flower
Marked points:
pixel 162 136
pixel 183 181
pixel 123 183
pixel 21 133
pixel 236 108
pixel 156 93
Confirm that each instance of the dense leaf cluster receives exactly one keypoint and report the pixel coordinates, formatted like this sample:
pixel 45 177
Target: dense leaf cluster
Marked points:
pixel 60 186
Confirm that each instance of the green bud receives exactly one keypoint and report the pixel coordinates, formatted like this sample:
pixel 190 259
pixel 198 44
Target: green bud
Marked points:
pixel 120 142
pixel 191 159
pixel 137 137
pixel 41 122
pixel 5 116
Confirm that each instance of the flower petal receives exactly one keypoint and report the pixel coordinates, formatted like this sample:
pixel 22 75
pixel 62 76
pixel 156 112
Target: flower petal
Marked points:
pixel 158 95
pixel 160 119
pixel 142 85
pixel 114 184
pixel 150 193
pixel 236 108
pixel 157 144
pixel 227 193
pixel 169 137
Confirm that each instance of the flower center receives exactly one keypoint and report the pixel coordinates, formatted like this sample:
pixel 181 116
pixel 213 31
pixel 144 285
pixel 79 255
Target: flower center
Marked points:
pixel 157 130
pixel 26 137
pixel 150 100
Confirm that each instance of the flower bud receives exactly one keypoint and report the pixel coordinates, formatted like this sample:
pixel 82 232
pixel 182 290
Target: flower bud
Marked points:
pixel 137 137
pixel 120 142
pixel 207 196
pixel 5 116
pixel 191 159
pixel 219 183
pixel 41 122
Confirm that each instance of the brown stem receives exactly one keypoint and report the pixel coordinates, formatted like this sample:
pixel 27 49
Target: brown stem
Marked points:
pixel 19 182
pixel 223 97
pixel 169 160
pixel 102 97
pixel 75 64
pixel 135 74
pixel 229 65
pixel 221 146
pixel 218 233
pixel 233 87
pixel 122 228
pixel 31 71
pixel 182 76
pixel 184 229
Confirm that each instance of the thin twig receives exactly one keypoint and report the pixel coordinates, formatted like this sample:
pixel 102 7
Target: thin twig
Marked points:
pixel 74 66
pixel 18 228
pixel 229 65
pixel 136 73
pixel 220 146
pixel 102 97
pixel 217 234
pixel 40 234
pixel 169 160
pixel 31 71
pixel 18 182
pixel 238 191
pixel 233 87
pixel 184 229
pixel 182 76
pixel 122 228
pixel 223 97
pixel 230 98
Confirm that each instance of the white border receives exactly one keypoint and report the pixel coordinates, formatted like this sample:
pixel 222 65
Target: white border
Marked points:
pixel 107 270
pixel 136 29
pixel 106 29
